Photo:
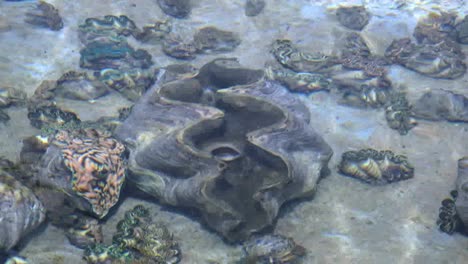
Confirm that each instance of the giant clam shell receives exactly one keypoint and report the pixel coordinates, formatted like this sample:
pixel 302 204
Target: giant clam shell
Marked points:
pixel 171 137
pixel 86 164
pixel 375 167
pixel 441 60
pixel 461 204
pixel 272 249
pixel 20 211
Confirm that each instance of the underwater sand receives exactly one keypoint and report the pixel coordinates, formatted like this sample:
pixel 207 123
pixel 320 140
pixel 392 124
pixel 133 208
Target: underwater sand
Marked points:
pixel 347 221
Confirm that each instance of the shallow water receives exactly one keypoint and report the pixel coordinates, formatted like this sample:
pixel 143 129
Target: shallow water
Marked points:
pixel 347 221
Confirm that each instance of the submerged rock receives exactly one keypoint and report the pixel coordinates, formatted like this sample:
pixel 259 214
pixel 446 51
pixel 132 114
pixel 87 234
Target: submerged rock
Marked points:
pixel 211 39
pixel 461 31
pixel 4 117
pixel 227 143
pixel 177 47
pixel 435 28
pixel 254 7
pixel 176 8
pixel 442 105
pixel 45 15
pixel 353 17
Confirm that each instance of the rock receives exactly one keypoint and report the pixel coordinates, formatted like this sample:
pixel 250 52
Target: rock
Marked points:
pixel 4 25
pixel 442 105
pixel 212 39
pixel 176 8
pixel 353 17
pixel 177 47
pixel 461 31
pixel 45 15
pixel 254 7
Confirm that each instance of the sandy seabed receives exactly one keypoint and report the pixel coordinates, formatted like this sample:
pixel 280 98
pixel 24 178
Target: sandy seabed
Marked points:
pixel 347 221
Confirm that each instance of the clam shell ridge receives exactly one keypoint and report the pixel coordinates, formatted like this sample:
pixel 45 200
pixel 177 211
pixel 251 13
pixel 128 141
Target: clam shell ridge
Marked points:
pixel 20 211
pixel 461 204
pixel 276 156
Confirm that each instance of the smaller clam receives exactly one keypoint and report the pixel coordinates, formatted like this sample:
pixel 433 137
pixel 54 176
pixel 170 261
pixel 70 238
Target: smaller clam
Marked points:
pixel 138 239
pixel 276 249
pixel 85 233
pixel 291 57
pixel 375 167
pixel 302 82
pixel 449 221
pixel 398 114
pixel 80 86
pixel 177 47
pixel 50 114
pixel 214 40
pixel 154 33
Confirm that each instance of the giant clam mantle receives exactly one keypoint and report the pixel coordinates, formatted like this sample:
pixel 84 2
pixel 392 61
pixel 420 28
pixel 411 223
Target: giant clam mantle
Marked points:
pixel 303 82
pixel 20 210
pixel 398 113
pixel 375 167
pixel 271 249
pixel 228 143
pixel 291 57
pixel 138 240
pixel 88 165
